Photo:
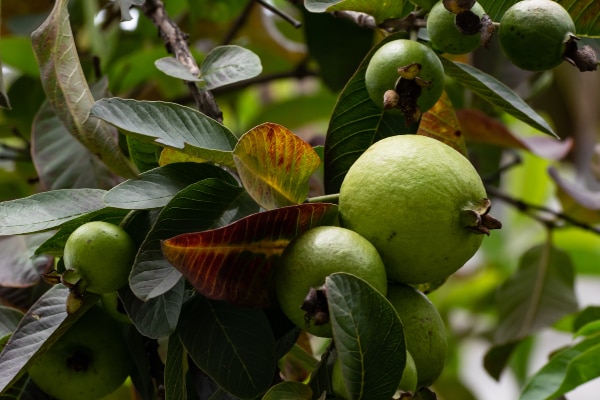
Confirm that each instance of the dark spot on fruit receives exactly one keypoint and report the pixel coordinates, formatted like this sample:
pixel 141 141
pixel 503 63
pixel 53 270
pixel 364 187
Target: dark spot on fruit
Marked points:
pixel 80 359
pixel 457 133
pixel 394 233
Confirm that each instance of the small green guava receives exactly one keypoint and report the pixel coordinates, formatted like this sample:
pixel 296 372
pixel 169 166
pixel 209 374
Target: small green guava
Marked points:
pixel 408 382
pixel 309 259
pixel 534 34
pixel 420 202
pixel 424 331
pixel 444 34
pixel 88 362
pixel 101 254
pixel 411 70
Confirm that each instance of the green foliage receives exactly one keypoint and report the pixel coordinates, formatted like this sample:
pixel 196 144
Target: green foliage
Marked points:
pixel 217 142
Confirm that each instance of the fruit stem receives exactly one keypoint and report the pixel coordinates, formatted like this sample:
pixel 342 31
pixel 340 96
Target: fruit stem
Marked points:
pixel 328 198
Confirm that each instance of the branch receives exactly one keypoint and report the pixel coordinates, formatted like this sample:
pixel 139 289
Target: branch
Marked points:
pixel 535 212
pixel 176 44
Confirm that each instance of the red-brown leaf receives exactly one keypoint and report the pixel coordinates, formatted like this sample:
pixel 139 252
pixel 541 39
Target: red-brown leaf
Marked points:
pixel 235 263
pixel 481 128
pixel 275 165
pixel 440 123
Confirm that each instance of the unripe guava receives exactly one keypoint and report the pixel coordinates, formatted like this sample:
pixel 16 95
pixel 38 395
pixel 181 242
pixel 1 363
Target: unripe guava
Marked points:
pixel 424 331
pixel 309 259
pixel 534 34
pixel 420 202
pixel 424 89
pixel 89 361
pixel 444 34
pixel 408 383
pixel 102 254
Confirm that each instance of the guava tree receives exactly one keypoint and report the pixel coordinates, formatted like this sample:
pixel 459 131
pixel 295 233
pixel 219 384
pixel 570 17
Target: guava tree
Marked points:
pixel 213 139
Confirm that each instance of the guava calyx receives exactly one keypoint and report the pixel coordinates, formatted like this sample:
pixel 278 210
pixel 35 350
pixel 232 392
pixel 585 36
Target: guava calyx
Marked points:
pixel 477 218
pixel 467 22
pixel 80 360
pixel 406 92
pixel 584 58
pixel 458 6
pixel 316 307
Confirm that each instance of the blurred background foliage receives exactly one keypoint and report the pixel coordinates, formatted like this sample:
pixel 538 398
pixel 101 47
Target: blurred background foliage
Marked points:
pixel 304 70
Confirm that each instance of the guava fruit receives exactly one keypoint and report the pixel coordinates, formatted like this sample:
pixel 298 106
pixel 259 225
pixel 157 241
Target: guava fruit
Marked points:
pixel 312 256
pixel 89 361
pixel 408 383
pixel 406 77
pixel 101 254
pixel 424 331
pixel 444 34
pixel 534 34
pixel 420 202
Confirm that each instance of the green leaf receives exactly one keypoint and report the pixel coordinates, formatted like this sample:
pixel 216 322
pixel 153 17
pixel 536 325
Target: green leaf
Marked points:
pixel 175 370
pixel 585 15
pixel 497 93
pixel 156 317
pixel 356 123
pixel 540 293
pixel 42 211
pixel 9 319
pixel 4 100
pixel 289 391
pixel 368 336
pixel 236 263
pixel 380 10
pixel 68 92
pixel 275 165
pixel 17 266
pixel 198 207
pixel 43 323
pixel 330 39
pixel 61 161
pixel 143 154
pixel 566 370
pixel 155 188
pixel 170 125
pixel 497 357
pixel 174 68
pixel 232 345
pixel 229 64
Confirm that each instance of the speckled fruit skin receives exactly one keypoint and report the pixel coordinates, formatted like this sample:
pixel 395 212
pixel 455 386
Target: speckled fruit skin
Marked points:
pixel 533 34
pixel 424 331
pixel 405 194
pixel 102 254
pixel 88 362
pixel 382 72
pixel 317 253
pixel 444 35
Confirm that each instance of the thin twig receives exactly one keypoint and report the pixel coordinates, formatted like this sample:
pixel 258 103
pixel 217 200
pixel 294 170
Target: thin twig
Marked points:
pixel 534 211
pixel 239 22
pixel 280 13
pixel 176 43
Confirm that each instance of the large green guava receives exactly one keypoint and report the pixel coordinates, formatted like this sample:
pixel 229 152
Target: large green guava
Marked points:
pixel 89 361
pixel 534 34
pixel 309 259
pixel 102 255
pixel 420 202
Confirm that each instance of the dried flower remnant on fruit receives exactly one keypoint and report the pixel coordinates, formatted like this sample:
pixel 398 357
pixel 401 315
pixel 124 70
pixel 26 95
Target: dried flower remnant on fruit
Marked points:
pixel 405 94
pixel 316 307
pixel 467 22
pixel 478 220
pixel 584 58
